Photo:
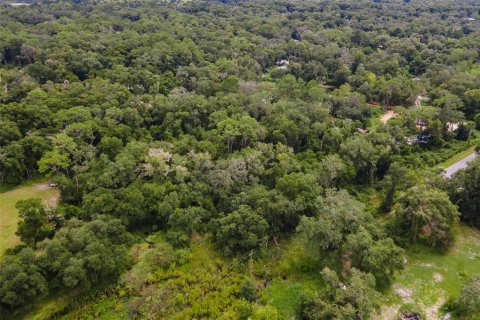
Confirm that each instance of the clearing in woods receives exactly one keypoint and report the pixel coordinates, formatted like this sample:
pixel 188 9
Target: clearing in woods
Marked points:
pixel 387 116
pixel 9 214
pixel 430 279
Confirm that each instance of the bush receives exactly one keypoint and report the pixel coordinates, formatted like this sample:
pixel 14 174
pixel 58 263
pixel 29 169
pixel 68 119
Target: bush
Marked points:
pixel 469 301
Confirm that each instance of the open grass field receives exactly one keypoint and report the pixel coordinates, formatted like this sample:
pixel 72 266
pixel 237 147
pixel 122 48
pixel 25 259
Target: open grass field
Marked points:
pixel 9 214
pixel 431 278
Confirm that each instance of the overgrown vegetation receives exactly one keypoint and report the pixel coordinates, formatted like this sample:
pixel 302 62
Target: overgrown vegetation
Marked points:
pixel 226 160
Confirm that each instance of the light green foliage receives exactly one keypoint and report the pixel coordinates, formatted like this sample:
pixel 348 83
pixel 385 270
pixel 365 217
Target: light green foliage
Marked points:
pixel 240 131
pixel 333 171
pixel 201 285
pixel 473 101
pixel 469 301
pixel 230 84
pixel 53 162
pixel 363 155
pixel 21 280
pixel 340 226
pixel 72 115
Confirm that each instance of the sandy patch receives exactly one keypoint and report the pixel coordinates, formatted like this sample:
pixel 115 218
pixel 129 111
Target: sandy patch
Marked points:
pixel 52 201
pixel 437 277
pixel 388 115
pixel 42 186
pixel 433 312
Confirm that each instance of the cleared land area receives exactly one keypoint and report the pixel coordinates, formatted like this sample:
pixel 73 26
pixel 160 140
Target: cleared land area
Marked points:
pixel 459 165
pixel 9 214
pixel 430 278
pixel 387 116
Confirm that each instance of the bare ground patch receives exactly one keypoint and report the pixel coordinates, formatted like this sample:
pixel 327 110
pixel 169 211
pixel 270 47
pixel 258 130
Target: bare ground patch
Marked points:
pixel 437 277
pixel 387 116
pixel 433 312
pixel 387 313
pixel 41 186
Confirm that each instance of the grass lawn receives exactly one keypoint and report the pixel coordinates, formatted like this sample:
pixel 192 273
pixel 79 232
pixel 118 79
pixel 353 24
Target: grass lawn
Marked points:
pixel 431 278
pixel 9 214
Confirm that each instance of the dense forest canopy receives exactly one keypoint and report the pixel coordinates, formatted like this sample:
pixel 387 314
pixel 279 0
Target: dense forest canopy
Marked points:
pixel 246 124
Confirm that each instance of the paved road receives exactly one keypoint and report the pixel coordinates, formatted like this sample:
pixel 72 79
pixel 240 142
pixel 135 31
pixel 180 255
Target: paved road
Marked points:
pixel 462 164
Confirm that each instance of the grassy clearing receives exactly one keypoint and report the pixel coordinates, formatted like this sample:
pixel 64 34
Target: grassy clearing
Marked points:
pixel 288 265
pixel 431 277
pixel 9 214
pixel 104 307
pixel 285 297
pixel 375 121
pixel 46 307
pixel 295 274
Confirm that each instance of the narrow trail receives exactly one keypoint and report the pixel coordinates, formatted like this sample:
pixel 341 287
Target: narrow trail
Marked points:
pixel 433 312
pixel 387 116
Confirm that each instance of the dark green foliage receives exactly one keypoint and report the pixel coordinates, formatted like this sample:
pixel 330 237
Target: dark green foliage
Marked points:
pixel 241 230
pixel 248 290
pixel 183 222
pixel 235 120
pixel 425 213
pixel 382 258
pixel 350 300
pixel 397 179
pixel 85 254
pixel 464 132
pixel 35 224
pixel 21 280
pixel 464 190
